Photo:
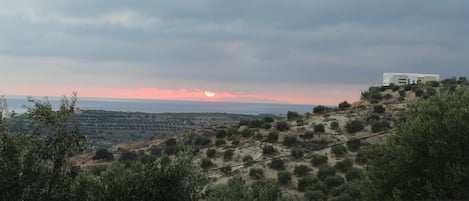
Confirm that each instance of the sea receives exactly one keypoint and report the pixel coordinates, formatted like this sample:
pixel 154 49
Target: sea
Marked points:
pixel 20 104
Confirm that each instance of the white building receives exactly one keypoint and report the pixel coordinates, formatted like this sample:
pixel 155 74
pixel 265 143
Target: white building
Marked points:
pixel 408 78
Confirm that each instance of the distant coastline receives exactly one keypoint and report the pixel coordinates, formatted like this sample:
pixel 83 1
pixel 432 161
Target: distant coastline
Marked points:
pixel 17 103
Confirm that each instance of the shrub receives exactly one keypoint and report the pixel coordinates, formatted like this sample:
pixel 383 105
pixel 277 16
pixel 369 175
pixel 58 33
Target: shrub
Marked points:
pixel 171 142
pixel 103 154
pixel 354 145
pixel 379 109
pixel 221 133
pixel 343 197
pixel 401 93
pixel 226 170
pixel 228 154
pixel 266 125
pixel 268 149
pixel 373 117
pixel 289 140
pixel 256 173
pixel 247 159
pixel 277 164
pixel 339 150
pixel 325 171
pixel 318 160
pixel 202 140
pixel 246 133
pixel 419 92
pixel 394 87
pixel 235 142
pixel 320 109
pixel 171 150
pixel 220 142
pixel 307 135
pixel 282 126
pixel 354 126
pixel 301 170
pixel 354 173
pixel 232 131
pixel 387 96
pixel 344 165
pixel 292 115
pixel 128 156
pixel 315 195
pixel 284 177
pixel 268 119
pixel 380 126
pixel 206 163
pixel 272 136
pixel 433 83
pixel 401 99
pixel 333 181
pixel 156 150
pixel 306 182
pixel 296 153
pixel 361 157
pixel 430 91
pixel 211 153
pixel 319 128
pixel 258 136
pixel 344 105
pixel 335 125
pixel 319 186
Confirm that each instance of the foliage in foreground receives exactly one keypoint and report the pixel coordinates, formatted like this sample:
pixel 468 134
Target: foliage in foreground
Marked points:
pixel 36 165
pixel 427 159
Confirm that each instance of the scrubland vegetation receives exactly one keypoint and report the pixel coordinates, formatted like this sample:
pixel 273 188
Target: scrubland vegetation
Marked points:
pixel 388 146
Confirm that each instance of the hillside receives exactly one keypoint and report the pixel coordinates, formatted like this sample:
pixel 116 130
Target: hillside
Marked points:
pixel 247 148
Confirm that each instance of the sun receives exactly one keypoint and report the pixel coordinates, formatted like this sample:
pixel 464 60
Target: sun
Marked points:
pixel 209 93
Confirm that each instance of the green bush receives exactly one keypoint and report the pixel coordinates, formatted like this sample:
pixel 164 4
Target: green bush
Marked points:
pixel 235 142
pixel 226 170
pixel 333 181
pixel 307 135
pixel 228 154
pixel 211 153
pixel 246 133
pixel 361 157
pixel 402 94
pixel 268 119
pixel 258 136
pixel 335 125
pixel 247 159
pixel 379 109
pixel 339 150
pixel 268 149
pixel 128 156
pixel 220 142
pixel 296 153
pixel 284 177
pixel 325 171
pixel 306 182
pixel 282 126
pixel 221 133
pixel 419 92
pixel 320 109
pixel 206 163
pixel 272 136
pixel 354 173
pixel 387 96
pixel 380 126
pixel 289 140
pixel 318 160
pixel 103 154
pixel 256 173
pixel 319 128
pixel 354 145
pixel 315 195
pixel 343 197
pixel 344 105
pixel 301 170
pixel 202 140
pixel 292 115
pixel 354 126
pixel 277 164
pixel 344 165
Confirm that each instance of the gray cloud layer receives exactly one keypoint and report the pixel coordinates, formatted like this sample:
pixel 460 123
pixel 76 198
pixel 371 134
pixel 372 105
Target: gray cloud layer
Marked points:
pixel 304 42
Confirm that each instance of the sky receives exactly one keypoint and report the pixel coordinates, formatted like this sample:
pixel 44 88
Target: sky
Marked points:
pixel 268 51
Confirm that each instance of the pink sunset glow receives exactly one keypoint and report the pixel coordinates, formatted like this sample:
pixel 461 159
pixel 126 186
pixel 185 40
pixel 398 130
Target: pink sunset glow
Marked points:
pixel 331 98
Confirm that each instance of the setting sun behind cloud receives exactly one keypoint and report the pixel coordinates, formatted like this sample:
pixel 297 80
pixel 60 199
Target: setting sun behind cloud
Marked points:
pixel 209 93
